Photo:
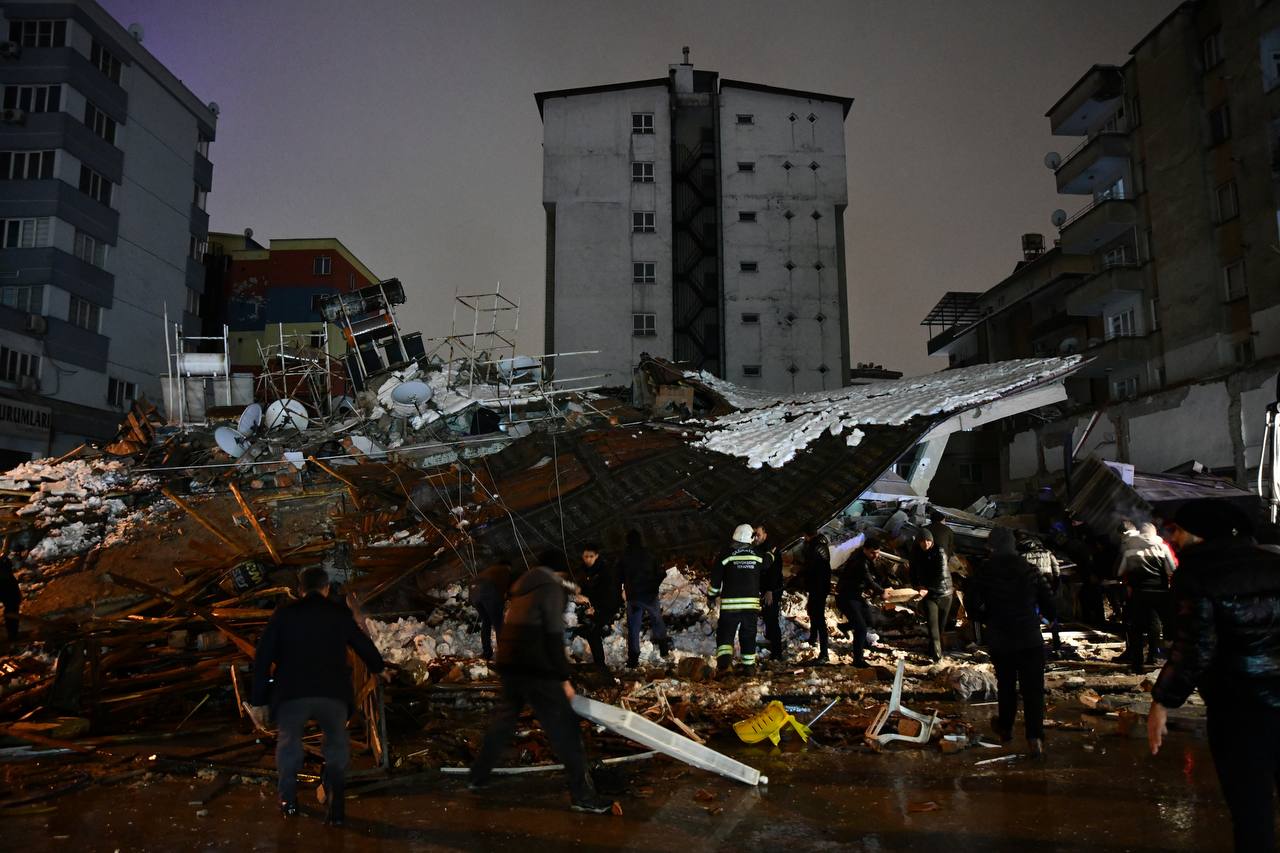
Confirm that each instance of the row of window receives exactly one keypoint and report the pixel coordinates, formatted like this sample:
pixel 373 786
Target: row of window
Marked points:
pixel 38 33
pixel 45 98
pixel 642 123
pixel 105 61
pixel 26 165
pixel 14 365
pixel 95 186
pixel 29 298
pixel 642 171
pixel 37 232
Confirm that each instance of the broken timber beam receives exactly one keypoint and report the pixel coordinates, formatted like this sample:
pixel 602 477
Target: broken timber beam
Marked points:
pixel 204 522
pixel 255 524
pixel 207 615
pixel 351 487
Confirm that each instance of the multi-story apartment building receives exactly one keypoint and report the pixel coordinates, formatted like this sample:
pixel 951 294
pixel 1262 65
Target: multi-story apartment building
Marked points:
pixel 104 171
pixel 701 220
pixel 1168 275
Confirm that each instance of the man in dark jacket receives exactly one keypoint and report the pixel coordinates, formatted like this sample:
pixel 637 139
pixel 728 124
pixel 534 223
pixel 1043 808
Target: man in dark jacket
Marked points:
pixel 857 579
pixel 932 579
pixel 735 582
pixel 306 641
pixel 1227 599
pixel 10 594
pixel 602 587
pixel 488 595
pixel 1003 595
pixel 817 586
pixel 641 578
pixel 770 590
pixel 535 672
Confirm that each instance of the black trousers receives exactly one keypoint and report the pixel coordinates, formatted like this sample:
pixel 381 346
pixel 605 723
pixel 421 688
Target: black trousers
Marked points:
pixel 594 633
pixel 816 608
pixel 772 615
pixel 1021 669
pixel 937 614
pixel 1145 625
pixel 740 624
pixel 1245 742
pixel 858 612
pixel 291 718
pixel 546 697
pixel 490 621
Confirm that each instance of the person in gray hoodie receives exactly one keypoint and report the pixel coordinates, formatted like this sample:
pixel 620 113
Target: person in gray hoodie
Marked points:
pixel 534 670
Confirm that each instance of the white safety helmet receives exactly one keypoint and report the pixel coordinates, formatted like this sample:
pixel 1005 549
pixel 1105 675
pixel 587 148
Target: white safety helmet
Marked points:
pixel 744 533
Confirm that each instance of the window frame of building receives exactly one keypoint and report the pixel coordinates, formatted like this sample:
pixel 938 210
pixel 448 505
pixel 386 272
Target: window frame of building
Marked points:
pixel 96 186
pixel 322 265
pixel 1116 256
pixel 748 266
pixel 27 232
pixel 644 272
pixel 1219 124
pixel 90 249
pixel 23 297
pixel 746 166
pixel 1211 50
pixel 192 305
pixel 105 61
pixel 39 32
pixel 1226 202
pixel 644 222
pixel 18 165
pixel 197 247
pixel 744 118
pixel 746 216
pixel 83 313
pixel 1153 308
pixel 99 122
pixel 750 318
pixel 642 124
pixel 1234 283
pixel 201 197
pixel 121 393
pixel 641 171
pixel 644 324
pixel 15 364
pixel 1124 388
pixel 752 371
pixel 1122 324
pixel 33 98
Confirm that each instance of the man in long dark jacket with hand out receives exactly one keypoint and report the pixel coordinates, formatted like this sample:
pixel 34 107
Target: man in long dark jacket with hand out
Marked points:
pixel 857 579
pixel 603 588
pixel 307 641
pixel 817 584
pixel 932 579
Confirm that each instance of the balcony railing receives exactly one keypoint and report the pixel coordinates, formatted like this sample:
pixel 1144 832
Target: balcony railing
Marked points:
pixel 1097 202
pixel 1089 140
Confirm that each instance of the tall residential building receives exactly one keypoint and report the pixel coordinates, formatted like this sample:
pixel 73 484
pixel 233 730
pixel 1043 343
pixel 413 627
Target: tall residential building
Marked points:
pixel 104 170
pixel 1168 275
pixel 700 220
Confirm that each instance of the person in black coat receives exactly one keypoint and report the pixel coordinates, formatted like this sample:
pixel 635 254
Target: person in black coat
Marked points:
pixel 1227 606
pixel 10 594
pixel 932 579
pixel 488 595
pixel 535 672
pixel 603 589
pixel 1004 595
pixel 306 643
pixel 857 580
pixel 817 585
pixel 770 591
pixel 641 578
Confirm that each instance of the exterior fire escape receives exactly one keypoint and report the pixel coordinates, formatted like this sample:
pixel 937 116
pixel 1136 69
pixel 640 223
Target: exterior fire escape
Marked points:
pixel 696 273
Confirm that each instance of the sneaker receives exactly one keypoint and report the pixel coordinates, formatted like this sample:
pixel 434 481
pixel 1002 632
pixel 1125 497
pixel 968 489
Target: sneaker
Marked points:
pixel 288 808
pixel 592 805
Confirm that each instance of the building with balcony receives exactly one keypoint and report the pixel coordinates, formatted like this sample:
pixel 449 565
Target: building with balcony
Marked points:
pixel 104 172
pixel 1174 247
pixel 698 219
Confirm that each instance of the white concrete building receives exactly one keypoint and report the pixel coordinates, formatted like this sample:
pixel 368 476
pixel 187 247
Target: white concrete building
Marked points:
pixel 701 220
pixel 104 172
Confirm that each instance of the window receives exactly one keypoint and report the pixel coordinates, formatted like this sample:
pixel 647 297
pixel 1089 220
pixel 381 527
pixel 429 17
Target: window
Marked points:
pixel 1220 125
pixel 197 247
pixel 643 222
pixel 38 33
pixel 25 165
pixel 105 62
pixel 1124 389
pixel 26 233
pixel 748 266
pixel 1121 325
pixel 746 118
pixel 322 265
pixel 970 472
pixel 100 123
pixel 192 305
pixel 642 123
pixel 1233 280
pixel 90 249
pixel 751 370
pixel 33 99
pixel 95 186
pixel 200 198
pixel 644 325
pixel 641 172
pixel 746 167
pixel 1118 256
pixel 1228 202
pixel 1211 50
pixel 1116 190
pixel 746 216
pixel 750 319
pixel 1242 351
pixel 14 364
pixel 120 393
pixel 643 272
pixel 84 314
pixel 202 147
pixel 1154 305
pixel 28 298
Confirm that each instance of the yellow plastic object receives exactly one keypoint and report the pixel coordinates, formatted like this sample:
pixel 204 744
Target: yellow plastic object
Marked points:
pixel 768 724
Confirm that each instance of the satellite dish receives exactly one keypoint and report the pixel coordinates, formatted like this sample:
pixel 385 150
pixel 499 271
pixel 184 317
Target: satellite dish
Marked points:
pixel 214 108
pixel 412 393
pixel 288 414
pixel 520 367
pixel 250 419
pixel 136 30
pixel 248 233
pixel 230 441
pixel 1058 218
pixel 1052 160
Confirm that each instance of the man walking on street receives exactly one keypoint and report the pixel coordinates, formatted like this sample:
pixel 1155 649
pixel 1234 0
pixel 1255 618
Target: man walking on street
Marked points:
pixel 817 586
pixel 770 591
pixel 932 579
pixel 535 672
pixel 601 586
pixel 1227 598
pixel 1146 567
pixel 641 578
pixel 306 641
pixel 735 582
pixel 857 579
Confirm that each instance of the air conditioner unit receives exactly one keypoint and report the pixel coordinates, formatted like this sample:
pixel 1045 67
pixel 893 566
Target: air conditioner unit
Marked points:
pixel 14 116
pixel 10 50
pixel 36 324
pixel 28 383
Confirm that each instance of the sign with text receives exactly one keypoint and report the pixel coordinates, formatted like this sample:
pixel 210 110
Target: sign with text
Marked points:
pixel 17 418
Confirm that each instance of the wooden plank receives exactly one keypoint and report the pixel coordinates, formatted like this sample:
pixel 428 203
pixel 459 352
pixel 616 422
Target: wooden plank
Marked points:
pixel 253 522
pixel 56 743
pixel 205 614
pixel 238 550
pixel 351 487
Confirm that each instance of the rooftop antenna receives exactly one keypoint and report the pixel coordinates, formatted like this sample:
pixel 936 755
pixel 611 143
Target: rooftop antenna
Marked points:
pixel 685 51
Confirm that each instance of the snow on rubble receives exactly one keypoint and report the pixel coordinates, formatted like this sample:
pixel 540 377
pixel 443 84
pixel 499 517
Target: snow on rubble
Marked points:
pixel 770 430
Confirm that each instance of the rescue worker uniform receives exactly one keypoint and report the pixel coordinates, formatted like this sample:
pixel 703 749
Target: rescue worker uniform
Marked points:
pixel 735 581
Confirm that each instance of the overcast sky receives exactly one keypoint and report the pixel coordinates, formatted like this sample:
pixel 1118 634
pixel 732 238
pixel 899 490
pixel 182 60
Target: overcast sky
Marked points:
pixel 408 129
